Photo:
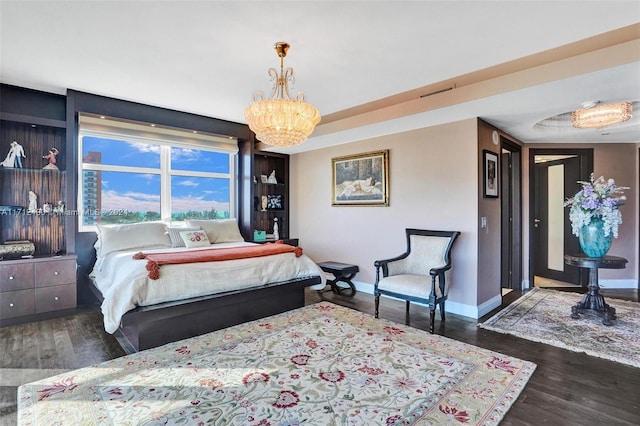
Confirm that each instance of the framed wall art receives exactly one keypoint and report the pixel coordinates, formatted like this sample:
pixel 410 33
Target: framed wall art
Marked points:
pixel 361 179
pixel 489 174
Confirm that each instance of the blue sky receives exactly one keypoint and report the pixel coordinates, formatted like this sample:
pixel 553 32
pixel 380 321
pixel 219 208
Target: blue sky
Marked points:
pixel 141 191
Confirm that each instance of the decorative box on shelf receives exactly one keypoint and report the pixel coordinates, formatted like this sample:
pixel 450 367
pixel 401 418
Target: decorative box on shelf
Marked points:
pixel 259 235
pixel 17 249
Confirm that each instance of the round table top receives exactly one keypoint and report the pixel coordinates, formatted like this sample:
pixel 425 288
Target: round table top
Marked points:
pixel 606 262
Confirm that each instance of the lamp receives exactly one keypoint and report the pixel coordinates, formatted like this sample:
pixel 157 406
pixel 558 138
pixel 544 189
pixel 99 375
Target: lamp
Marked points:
pixel 597 116
pixel 280 120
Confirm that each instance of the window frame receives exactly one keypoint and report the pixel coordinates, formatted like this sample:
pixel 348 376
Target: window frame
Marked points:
pixel 164 171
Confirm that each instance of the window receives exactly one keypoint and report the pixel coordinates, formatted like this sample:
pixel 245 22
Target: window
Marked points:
pixel 130 173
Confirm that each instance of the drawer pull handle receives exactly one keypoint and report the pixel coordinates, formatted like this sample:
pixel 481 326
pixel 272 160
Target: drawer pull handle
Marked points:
pixel 55 273
pixel 11 304
pixel 55 298
pixel 11 277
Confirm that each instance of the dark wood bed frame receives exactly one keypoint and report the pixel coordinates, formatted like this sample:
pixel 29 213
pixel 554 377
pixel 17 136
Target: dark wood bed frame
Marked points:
pixel 150 326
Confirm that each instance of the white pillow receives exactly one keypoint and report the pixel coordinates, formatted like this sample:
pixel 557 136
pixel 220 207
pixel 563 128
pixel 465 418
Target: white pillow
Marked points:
pixel 131 236
pixel 195 238
pixel 220 230
pixel 174 235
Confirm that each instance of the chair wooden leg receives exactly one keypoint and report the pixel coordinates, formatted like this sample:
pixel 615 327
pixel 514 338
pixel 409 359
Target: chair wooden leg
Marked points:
pixel 377 306
pixel 407 310
pixel 432 315
pixel 442 310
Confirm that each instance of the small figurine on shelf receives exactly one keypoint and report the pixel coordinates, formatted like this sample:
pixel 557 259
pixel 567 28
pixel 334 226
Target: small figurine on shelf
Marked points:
pixel 10 159
pixel 263 201
pixel 33 202
pixel 15 156
pixel 19 153
pixel 276 234
pixel 272 177
pixel 59 209
pixel 51 156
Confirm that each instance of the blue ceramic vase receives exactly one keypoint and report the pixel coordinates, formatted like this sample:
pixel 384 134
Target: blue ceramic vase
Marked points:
pixel 592 239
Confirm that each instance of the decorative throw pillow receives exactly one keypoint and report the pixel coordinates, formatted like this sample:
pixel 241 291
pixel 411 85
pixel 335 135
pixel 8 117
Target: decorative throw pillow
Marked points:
pixel 195 238
pixel 219 230
pixel 174 235
pixel 132 236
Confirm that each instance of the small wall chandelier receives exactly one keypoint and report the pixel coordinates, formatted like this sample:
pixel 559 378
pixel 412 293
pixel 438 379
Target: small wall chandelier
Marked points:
pixel 595 115
pixel 280 120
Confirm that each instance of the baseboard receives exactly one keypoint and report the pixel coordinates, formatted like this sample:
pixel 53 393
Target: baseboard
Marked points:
pixel 611 284
pixel 363 287
pixel 489 305
pixel 469 311
pixel 626 283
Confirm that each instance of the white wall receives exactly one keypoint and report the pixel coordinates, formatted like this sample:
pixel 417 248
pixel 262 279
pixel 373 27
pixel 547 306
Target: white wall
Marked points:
pixel 433 180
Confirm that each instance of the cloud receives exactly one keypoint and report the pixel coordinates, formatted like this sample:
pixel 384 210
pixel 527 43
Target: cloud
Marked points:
pixel 143 147
pixel 142 196
pixel 147 176
pixel 188 183
pixel 132 201
pixel 141 202
pixel 180 204
pixel 185 154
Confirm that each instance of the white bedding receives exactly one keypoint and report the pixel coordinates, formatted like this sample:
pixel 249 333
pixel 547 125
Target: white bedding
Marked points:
pixel 124 283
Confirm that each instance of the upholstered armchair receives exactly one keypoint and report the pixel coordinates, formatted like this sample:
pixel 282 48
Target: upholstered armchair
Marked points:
pixel 420 274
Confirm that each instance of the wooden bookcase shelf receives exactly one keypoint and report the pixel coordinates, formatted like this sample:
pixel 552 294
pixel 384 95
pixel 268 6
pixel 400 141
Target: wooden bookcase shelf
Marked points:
pixel 44 283
pixel 46 231
pixel 264 164
pixel 256 166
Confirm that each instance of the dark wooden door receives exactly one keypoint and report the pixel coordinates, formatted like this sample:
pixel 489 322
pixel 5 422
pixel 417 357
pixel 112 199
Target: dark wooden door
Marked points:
pixel 551 225
pixel 511 216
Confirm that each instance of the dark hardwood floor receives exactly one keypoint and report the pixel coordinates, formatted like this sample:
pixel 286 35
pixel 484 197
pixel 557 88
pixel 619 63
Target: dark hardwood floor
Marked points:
pixel 567 388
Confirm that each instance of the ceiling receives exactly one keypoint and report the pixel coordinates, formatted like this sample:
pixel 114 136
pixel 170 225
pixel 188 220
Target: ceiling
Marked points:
pixel 366 65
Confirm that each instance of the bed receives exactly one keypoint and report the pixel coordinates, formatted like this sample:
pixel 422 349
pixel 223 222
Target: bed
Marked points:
pixel 189 299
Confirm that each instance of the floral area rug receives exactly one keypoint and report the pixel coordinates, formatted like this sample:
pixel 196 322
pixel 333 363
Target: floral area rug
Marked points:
pixel 318 365
pixel 544 316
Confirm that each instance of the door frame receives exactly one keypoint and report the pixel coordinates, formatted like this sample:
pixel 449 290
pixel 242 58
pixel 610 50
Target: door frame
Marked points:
pixel 513 253
pixel 586 156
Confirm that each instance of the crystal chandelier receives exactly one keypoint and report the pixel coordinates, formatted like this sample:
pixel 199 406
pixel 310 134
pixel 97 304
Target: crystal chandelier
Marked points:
pixel 280 120
pixel 597 116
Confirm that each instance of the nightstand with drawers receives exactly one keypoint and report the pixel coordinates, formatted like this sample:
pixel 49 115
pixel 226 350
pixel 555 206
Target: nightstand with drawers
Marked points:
pixel 29 287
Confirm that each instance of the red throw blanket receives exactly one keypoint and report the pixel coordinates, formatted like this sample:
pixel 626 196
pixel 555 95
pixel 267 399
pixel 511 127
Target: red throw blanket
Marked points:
pixel 155 260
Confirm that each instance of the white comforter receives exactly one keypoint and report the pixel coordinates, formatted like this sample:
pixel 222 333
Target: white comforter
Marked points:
pixel 124 283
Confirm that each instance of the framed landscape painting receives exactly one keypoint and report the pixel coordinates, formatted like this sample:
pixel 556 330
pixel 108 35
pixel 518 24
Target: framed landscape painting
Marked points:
pixel 490 174
pixel 361 179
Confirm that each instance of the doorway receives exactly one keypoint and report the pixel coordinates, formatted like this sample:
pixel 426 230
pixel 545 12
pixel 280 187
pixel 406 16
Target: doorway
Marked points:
pixel 511 216
pixel 554 176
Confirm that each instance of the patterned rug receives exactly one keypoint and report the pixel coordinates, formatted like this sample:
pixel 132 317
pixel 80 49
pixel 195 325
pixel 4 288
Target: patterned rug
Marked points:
pixel 318 365
pixel 544 316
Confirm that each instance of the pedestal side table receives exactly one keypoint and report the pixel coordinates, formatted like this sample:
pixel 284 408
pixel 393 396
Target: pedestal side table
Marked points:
pixel 593 300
